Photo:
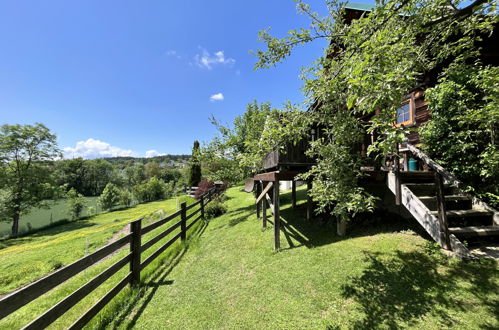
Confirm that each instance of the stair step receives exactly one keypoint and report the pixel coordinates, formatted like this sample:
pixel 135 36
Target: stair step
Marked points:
pixel 447 198
pixel 428 189
pixel 466 213
pixel 452 202
pixel 417 177
pixel 475 231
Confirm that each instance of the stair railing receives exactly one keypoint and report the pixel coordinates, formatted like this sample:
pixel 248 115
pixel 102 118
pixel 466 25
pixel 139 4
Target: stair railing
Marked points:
pixel 441 175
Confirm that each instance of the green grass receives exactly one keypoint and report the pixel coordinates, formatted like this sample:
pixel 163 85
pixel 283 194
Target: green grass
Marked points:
pixel 380 276
pixel 63 243
pixel 40 217
pixel 25 259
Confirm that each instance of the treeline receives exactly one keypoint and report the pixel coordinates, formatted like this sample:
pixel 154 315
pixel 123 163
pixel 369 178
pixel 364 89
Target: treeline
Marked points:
pixel 89 177
pixel 164 160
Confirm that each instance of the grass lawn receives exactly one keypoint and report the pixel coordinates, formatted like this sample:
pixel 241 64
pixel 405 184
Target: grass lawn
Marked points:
pixel 40 217
pixel 28 258
pixel 382 275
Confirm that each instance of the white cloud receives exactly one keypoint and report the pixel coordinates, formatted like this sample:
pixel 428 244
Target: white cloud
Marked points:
pixel 217 97
pixel 206 61
pixel 153 153
pixel 172 53
pixel 93 148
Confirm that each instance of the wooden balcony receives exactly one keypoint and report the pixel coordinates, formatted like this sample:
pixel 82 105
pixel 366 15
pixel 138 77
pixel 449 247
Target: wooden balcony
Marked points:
pixel 292 157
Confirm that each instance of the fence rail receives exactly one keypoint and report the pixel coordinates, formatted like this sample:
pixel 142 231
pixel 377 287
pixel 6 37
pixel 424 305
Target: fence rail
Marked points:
pixel 17 299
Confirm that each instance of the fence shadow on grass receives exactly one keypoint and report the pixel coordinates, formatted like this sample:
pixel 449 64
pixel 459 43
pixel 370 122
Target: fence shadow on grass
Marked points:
pixel 154 281
pixel 401 288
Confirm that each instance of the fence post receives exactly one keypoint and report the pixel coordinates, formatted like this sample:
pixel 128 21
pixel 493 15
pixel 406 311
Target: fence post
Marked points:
pixel 442 212
pixel 201 205
pixel 183 221
pixel 135 229
pixel 398 185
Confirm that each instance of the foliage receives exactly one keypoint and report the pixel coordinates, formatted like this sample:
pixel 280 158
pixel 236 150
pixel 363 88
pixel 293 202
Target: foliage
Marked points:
pixel 135 174
pixel 195 168
pixel 110 197
pixel 152 169
pixel 215 208
pixel 463 132
pixel 370 66
pixel 152 190
pixel 76 203
pixel 203 187
pixel 25 178
pixel 126 197
pixel 230 155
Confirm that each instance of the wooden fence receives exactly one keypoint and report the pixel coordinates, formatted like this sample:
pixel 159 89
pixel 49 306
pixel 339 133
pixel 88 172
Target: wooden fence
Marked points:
pixel 17 299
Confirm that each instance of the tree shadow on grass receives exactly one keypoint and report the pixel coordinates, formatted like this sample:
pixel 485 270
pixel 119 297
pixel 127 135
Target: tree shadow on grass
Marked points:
pixel 397 290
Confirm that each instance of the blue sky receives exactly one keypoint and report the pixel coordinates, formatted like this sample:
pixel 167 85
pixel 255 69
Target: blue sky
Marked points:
pixel 128 77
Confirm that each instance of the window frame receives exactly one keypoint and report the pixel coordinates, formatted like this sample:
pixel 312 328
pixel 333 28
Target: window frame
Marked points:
pixel 412 110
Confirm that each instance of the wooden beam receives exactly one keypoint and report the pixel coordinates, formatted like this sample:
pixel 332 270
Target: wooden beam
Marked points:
pixel 442 212
pixel 264 192
pixel 277 232
pixel 309 200
pixel 270 203
pixel 258 189
pixel 264 213
pixel 293 193
pixel 277 176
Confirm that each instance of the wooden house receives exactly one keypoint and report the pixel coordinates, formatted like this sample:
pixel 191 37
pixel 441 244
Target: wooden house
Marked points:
pixel 428 193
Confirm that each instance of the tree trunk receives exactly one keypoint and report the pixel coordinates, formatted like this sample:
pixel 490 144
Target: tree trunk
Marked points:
pixel 15 223
pixel 341 226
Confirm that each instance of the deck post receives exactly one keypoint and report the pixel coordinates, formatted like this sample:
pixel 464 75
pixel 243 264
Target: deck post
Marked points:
pixel 201 206
pixel 442 212
pixel 277 224
pixel 309 200
pixel 398 187
pixel 258 191
pixel 293 193
pixel 135 229
pixel 264 212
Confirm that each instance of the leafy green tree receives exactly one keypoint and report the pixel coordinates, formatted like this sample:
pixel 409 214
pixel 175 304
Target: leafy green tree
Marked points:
pixel 135 174
pixel 110 197
pixel 370 66
pixel 76 203
pixel 126 197
pixel 152 190
pixel 230 156
pixel 195 168
pixel 152 169
pixel 25 179
pixel 465 108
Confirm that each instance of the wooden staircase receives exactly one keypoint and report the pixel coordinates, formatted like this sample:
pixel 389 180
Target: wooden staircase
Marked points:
pixel 458 219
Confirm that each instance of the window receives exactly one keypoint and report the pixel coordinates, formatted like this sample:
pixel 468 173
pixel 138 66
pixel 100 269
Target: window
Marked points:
pixel 405 113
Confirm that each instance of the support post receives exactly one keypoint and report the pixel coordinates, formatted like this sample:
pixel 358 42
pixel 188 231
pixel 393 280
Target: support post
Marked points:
pixel 259 189
pixel 277 221
pixel 293 193
pixel 341 226
pixel 442 212
pixel 398 187
pixel 183 221
pixel 309 200
pixel 135 229
pixel 201 206
pixel 264 212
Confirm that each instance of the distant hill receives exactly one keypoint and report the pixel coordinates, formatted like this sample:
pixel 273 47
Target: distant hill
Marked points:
pixel 159 159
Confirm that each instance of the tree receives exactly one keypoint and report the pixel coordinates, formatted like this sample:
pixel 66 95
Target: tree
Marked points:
pixel 110 197
pixel 25 178
pixel 126 197
pixel 76 203
pixel 229 157
pixel 152 169
pixel 195 168
pixel 135 174
pixel 370 65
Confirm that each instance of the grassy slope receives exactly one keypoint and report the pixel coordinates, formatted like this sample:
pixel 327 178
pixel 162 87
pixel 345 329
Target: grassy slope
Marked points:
pixel 40 217
pixel 379 277
pixel 28 258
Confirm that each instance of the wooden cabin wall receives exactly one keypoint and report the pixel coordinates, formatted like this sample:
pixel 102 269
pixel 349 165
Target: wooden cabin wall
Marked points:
pixel 421 115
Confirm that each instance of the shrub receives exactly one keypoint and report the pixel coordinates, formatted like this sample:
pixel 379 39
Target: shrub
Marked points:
pixel 215 208
pixel 110 197
pixel 153 190
pixel 126 197
pixel 203 187
pixel 76 203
